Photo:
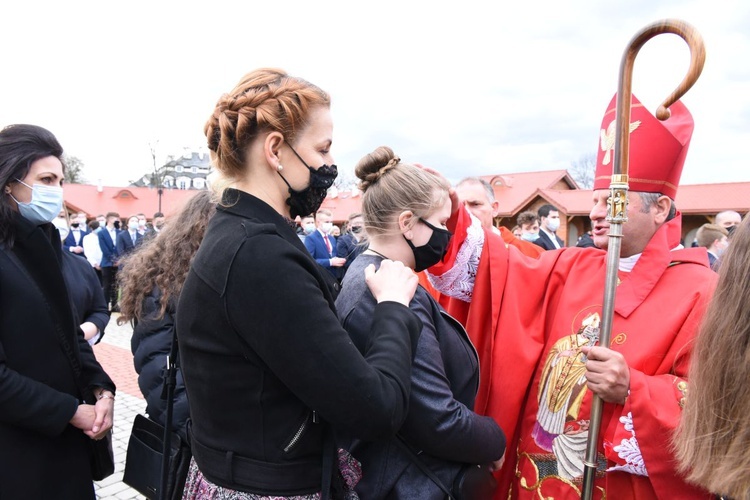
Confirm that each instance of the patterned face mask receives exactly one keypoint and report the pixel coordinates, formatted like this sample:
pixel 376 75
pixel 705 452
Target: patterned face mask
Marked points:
pixel 308 200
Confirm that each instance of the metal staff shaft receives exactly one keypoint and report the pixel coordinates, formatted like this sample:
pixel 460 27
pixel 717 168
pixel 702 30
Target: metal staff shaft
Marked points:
pixel 618 194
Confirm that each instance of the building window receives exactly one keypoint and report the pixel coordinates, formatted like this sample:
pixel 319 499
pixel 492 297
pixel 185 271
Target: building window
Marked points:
pixel 183 183
pixel 195 170
pixel 178 168
pixel 199 182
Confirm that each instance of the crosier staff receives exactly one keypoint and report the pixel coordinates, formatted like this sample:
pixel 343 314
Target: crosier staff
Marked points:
pixel 618 192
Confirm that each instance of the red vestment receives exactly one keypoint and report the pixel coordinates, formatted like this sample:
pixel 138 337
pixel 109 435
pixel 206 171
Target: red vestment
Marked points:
pixel 528 319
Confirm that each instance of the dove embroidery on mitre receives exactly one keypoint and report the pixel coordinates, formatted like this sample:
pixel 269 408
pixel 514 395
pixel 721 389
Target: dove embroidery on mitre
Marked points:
pixel 608 139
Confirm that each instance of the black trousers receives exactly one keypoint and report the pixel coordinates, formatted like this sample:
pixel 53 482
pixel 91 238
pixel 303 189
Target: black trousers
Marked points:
pixel 109 285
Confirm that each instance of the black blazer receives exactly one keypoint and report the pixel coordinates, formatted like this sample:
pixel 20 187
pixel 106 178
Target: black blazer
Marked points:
pixel 545 242
pixel 70 240
pixel 42 455
pixel 440 422
pixel 266 362
pixel 85 291
pixel 125 243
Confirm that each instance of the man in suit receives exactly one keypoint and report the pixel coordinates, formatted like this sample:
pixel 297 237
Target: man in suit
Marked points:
pixel 549 218
pixel 109 262
pixel 130 238
pixel 322 246
pixel 349 246
pixel 713 238
pixel 74 240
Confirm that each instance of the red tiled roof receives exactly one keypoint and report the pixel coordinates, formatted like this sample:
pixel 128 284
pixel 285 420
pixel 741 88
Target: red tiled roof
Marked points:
pixel 573 202
pixel 342 206
pixel 714 198
pixel 124 200
pixel 514 191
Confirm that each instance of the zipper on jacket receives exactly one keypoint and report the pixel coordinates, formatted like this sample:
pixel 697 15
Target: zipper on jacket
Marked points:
pixel 297 435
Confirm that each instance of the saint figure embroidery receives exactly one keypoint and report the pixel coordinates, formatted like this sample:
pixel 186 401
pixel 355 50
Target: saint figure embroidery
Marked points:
pixel 562 388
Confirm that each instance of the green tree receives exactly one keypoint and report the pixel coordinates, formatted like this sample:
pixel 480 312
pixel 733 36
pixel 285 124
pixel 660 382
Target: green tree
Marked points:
pixel 73 170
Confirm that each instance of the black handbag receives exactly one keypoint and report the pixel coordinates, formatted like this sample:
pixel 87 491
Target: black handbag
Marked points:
pixel 150 470
pixel 473 482
pixel 102 457
pixel 143 463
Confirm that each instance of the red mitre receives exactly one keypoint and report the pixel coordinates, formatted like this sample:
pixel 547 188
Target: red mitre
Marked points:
pixel 657 148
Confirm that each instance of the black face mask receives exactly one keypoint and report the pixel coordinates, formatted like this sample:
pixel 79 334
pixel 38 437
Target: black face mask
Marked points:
pixel 117 224
pixel 433 252
pixel 307 201
pixel 74 224
pixel 356 229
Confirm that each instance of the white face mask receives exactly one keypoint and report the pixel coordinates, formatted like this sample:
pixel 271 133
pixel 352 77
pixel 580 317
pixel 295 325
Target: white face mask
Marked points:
pixel 133 225
pixel 326 227
pixel 46 202
pixel 553 224
pixel 309 228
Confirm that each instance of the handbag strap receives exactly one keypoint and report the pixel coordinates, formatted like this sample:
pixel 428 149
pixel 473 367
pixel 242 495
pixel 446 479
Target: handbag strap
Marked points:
pixel 169 386
pixel 401 443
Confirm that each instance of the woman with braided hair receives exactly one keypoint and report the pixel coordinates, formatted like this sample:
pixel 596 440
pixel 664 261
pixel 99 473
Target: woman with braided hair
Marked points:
pixel 269 371
pixel 405 209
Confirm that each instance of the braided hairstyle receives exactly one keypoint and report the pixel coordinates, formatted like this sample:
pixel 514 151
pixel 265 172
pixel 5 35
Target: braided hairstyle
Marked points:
pixel 264 100
pixel 390 187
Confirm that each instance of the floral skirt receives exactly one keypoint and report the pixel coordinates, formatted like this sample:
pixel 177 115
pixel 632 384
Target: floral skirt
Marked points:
pixel 197 487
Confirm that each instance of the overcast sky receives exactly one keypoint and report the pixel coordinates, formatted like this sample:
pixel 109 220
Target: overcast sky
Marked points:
pixel 469 88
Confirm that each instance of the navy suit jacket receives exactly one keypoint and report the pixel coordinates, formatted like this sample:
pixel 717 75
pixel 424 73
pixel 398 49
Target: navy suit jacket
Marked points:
pixel 317 248
pixel 125 243
pixel 545 242
pixel 70 241
pixel 109 248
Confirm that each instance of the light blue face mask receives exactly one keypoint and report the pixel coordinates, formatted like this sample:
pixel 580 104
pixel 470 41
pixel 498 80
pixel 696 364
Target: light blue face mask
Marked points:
pixel 530 236
pixel 46 202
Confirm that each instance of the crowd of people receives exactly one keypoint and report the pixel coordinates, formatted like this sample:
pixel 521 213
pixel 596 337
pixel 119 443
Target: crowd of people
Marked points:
pixel 415 346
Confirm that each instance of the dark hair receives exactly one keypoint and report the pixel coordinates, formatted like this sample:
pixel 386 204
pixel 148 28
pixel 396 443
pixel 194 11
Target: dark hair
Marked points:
pixel 544 210
pixel 158 214
pixel 20 146
pixel 94 225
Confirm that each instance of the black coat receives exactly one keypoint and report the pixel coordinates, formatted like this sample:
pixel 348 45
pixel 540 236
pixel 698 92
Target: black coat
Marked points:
pixel 151 343
pixel 265 359
pixel 440 423
pixel 85 291
pixel 41 454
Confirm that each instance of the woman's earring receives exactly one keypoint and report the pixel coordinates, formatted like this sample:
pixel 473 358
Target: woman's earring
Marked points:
pixel 279 168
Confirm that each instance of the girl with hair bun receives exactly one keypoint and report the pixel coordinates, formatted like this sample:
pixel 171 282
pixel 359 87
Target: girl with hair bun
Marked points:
pixel 405 209
pixel 268 369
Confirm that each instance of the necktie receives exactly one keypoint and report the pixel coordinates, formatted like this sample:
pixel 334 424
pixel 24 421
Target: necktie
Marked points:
pixel 328 244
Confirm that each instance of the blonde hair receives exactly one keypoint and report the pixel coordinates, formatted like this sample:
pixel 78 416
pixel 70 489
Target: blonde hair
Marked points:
pixel 264 100
pixel 713 440
pixel 389 187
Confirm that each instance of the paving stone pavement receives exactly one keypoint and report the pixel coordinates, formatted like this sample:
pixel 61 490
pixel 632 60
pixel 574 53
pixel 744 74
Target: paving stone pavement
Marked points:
pixel 113 352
